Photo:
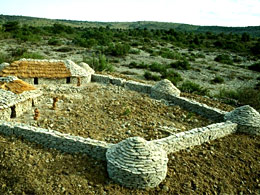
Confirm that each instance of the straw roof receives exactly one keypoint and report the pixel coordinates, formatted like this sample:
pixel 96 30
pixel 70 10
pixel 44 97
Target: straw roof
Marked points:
pixel 36 68
pixel 17 86
pixel 13 91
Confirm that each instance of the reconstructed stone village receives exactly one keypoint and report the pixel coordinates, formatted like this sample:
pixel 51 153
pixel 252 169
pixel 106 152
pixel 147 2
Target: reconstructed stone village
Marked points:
pixel 133 162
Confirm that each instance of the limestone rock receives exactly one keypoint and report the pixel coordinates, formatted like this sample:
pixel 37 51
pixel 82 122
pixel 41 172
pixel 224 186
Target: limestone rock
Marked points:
pixel 247 118
pixel 137 163
pixel 3 65
pixel 164 88
pixel 86 67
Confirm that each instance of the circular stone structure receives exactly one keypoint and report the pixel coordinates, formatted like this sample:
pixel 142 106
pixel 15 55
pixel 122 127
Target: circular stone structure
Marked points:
pixel 247 118
pixel 137 163
pixel 164 87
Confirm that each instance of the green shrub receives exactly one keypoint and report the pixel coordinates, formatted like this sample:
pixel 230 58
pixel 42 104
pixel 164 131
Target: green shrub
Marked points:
pixel 54 41
pixel 134 51
pixel 18 52
pixel 174 77
pixel 255 67
pixel 118 49
pixel 156 67
pixel 191 87
pixel 100 63
pixel 32 55
pixel 64 49
pixel 150 76
pixel 241 96
pixel 217 79
pixel 4 58
pixel 181 64
pixel 224 59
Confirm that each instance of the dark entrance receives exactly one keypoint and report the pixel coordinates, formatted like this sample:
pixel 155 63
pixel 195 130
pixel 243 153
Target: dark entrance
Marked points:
pixel 35 81
pixel 13 112
pixel 68 80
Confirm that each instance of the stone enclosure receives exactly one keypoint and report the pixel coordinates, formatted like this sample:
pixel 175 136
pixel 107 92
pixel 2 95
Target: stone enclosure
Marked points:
pixel 135 162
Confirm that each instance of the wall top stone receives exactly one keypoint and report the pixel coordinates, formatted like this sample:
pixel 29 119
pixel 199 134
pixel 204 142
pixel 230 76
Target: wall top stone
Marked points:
pixel 166 86
pixel 86 67
pixel 244 115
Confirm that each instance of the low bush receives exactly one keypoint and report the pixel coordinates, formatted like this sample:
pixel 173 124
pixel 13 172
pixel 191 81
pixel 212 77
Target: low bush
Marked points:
pixel 181 65
pixel 240 96
pixel 99 63
pixel 54 41
pixel 4 58
pixel 190 87
pixel 32 55
pixel 134 51
pixel 156 67
pixel 174 77
pixel 118 49
pixel 255 67
pixel 224 59
pixel 217 79
pixel 150 76
pixel 64 49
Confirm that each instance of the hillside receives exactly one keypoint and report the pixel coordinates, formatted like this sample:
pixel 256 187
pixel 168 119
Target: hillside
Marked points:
pixel 252 30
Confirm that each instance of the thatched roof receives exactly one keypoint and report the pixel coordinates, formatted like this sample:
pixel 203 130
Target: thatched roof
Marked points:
pixel 31 69
pixel 15 85
pixel 13 91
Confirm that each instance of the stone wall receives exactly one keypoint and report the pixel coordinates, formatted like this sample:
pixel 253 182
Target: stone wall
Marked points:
pixel 5 114
pixel 190 105
pixel 199 108
pixel 22 107
pixel 131 85
pixel 55 139
pixel 196 136
pixel 58 81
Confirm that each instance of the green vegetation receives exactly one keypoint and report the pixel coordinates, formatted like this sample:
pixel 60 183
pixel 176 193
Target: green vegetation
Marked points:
pixel 224 59
pixel 241 96
pixel 149 76
pixel 191 87
pixel 99 63
pixel 217 79
pixel 255 67
pixel 181 65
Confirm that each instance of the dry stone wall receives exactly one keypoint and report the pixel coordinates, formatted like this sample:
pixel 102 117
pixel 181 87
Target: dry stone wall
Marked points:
pixel 5 114
pixel 55 139
pixel 171 94
pixel 196 136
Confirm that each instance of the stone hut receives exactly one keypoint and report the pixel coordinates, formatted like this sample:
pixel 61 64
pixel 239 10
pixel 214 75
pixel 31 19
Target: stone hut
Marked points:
pixel 47 71
pixel 137 163
pixel 16 97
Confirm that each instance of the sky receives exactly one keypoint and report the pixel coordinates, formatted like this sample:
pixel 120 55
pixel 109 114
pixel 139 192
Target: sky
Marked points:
pixel 196 12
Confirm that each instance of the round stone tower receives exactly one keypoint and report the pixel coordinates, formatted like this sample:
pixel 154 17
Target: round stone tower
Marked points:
pixel 137 163
pixel 247 118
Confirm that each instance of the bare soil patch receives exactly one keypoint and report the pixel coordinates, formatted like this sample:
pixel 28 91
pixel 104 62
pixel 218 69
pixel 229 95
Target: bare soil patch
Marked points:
pixel 229 165
pixel 110 113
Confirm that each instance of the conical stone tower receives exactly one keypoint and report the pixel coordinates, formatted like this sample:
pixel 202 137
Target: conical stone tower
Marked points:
pixel 247 118
pixel 164 88
pixel 137 163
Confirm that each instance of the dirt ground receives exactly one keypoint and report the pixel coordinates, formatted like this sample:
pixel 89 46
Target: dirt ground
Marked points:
pixel 225 166
pixel 110 113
